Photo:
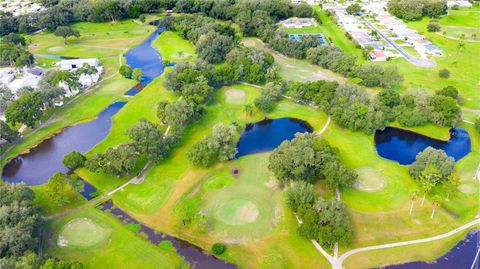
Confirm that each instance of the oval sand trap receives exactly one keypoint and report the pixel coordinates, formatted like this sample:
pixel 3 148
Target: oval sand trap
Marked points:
pixel 235 96
pixel 237 212
pixel 370 179
pixel 82 232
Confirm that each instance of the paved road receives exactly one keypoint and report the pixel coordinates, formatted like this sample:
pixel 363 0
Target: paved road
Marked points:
pixel 414 60
pixel 337 262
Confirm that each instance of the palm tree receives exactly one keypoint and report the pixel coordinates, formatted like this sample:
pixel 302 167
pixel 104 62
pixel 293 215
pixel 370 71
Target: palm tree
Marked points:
pixel 451 186
pixel 427 186
pixel 436 203
pixel 461 46
pixel 248 109
pixel 474 35
pixel 413 198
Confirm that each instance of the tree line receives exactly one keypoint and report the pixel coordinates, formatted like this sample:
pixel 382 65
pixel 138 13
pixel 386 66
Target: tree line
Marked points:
pixel 412 10
pixel 20 222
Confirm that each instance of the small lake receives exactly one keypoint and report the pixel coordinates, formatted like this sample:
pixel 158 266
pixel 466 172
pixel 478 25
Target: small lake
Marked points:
pixel 463 255
pixel 268 134
pixel 43 161
pixel 192 254
pixel 403 146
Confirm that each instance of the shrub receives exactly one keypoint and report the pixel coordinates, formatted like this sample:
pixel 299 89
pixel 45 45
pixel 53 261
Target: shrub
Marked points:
pixel 125 71
pixel 433 26
pixel 219 248
pixel 444 73
pixel 74 160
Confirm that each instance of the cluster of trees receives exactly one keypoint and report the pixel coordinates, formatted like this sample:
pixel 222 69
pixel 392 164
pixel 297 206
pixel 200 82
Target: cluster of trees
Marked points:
pixel 62 189
pixel 333 58
pixel 221 145
pixel 20 221
pixel 60 13
pixel 7 133
pixel 352 108
pixel 269 95
pixel 30 106
pixel 411 10
pixel 326 221
pixel 432 168
pixel 14 51
pixel 126 71
pixel 309 158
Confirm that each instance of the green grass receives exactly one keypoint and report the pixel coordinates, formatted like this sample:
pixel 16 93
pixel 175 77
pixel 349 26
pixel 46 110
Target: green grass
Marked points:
pixel 463 69
pixel 295 69
pixel 174 48
pixel 122 249
pixel 82 232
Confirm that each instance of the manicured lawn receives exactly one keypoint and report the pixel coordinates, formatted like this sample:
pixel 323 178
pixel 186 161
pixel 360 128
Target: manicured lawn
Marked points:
pixel 105 243
pixel 462 64
pixel 294 69
pixel 174 48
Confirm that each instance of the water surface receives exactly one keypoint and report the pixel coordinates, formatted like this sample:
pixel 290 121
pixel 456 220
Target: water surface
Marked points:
pixel 464 255
pixel 43 161
pixel 268 134
pixel 403 146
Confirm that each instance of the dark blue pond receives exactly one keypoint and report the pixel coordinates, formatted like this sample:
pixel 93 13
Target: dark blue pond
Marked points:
pixel 88 190
pixel 403 146
pixel 43 161
pixel 147 58
pixel 465 255
pixel 266 135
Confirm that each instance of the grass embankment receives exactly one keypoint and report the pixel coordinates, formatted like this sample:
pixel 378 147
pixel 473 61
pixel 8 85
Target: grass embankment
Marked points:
pixel 461 62
pixel 295 69
pixel 175 49
pixel 105 243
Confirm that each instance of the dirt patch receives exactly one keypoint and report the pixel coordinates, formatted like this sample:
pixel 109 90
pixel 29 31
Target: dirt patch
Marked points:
pixel 235 96
pixel 248 213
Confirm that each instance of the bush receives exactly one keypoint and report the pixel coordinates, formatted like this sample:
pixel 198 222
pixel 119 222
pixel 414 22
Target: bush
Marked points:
pixel 433 26
pixel 125 71
pixel 219 248
pixel 444 73
pixel 74 160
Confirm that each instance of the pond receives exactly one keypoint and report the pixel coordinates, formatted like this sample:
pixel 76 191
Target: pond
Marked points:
pixel 44 160
pixel 403 146
pixel 463 255
pixel 192 254
pixel 268 134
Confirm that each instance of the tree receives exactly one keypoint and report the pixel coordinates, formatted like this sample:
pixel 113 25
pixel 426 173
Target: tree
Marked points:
pixel 177 114
pixel 115 161
pixel 213 47
pixel 449 91
pixel 137 74
pixel 27 109
pixel 426 186
pixel 219 248
pixel 248 109
pixel 444 111
pixel 20 220
pixel 433 26
pixel 413 198
pixel 65 32
pixel 74 160
pixel 149 140
pixel 126 71
pixel 302 10
pixel 71 79
pixel 220 146
pixel 264 104
pixel 6 96
pixel 354 9
pixel 301 194
pixel 435 203
pixel 88 70
pixel 7 133
pixel 444 73
pixel 61 189
pixel 433 164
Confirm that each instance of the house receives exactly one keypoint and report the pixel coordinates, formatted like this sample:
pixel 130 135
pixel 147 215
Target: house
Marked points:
pixel 298 22
pixel 378 55
pixel 6 75
pixel 432 49
pixel 74 64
